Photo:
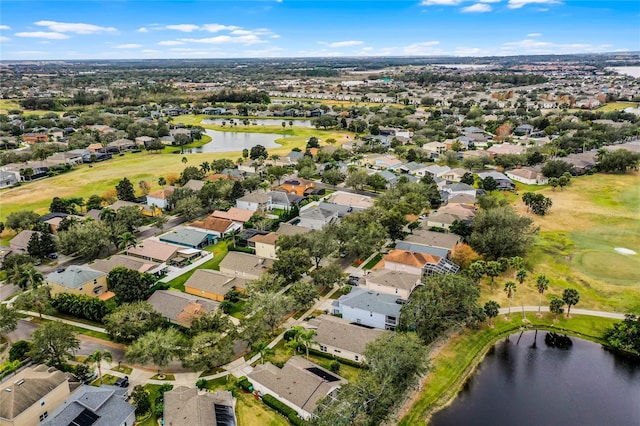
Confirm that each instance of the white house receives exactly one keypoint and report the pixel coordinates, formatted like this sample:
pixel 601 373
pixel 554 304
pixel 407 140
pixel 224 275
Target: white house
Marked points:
pixel 339 337
pixel 363 306
pixel 527 176
pixel 159 198
pixel 255 201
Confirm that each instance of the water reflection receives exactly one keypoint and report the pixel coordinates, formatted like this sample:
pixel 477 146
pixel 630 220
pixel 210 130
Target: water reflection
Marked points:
pixel 566 381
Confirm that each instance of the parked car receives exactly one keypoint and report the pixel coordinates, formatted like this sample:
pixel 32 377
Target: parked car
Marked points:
pixel 52 255
pixel 122 382
pixel 343 254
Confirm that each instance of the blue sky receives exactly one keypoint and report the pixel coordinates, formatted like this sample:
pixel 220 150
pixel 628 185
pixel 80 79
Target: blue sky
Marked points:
pixel 121 29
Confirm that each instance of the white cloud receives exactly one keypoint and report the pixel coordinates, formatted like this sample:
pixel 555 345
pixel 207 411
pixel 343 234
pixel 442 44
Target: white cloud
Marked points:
pixel 170 43
pixel 143 30
pixel 148 51
pixel 517 4
pixel 214 28
pixel 471 51
pixel 477 8
pixel 346 43
pixel 128 46
pixel 422 48
pixel 490 1
pixel 226 39
pixel 539 47
pixel 440 2
pixel 42 34
pixel 4 39
pixel 76 28
pixel 5 27
pixel 185 28
pixel 534 35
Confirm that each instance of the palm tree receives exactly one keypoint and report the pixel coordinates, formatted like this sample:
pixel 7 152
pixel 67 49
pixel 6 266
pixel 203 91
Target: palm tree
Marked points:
pixel 510 289
pixel 492 269
pixel 263 349
pixel 184 160
pixel 302 336
pixel 205 167
pixel 98 356
pixel 521 275
pixel 126 240
pixel 542 283
pixel 27 276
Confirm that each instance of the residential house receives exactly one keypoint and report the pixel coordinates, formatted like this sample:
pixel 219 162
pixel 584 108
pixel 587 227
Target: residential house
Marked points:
pixel 300 384
pixel 355 201
pixel 188 237
pixel 129 262
pixel 455 175
pixel 216 226
pixel 504 183
pixel 194 185
pixel 292 229
pixel 524 129
pixel 77 279
pixel 581 162
pixel 149 211
pixel 316 218
pixel 186 406
pixel 31 138
pixel 437 171
pixel 265 245
pixel 234 214
pixel 300 187
pixel 339 337
pixel 527 176
pixel 408 261
pixel 159 198
pixel 466 199
pixel 394 282
pixel 180 308
pixel 446 215
pixel 390 177
pixel 366 307
pixel 413 168
pixel 29 397
pixel 54 220
pixel 73 157
pixel 295 156
pixel 284 200
pixel 155 251
pixel 96 406
pixel 244 265
pixel 506 149
pixel 213 285
pixel 433 239
pixel 144 140
pixel 121 145
pixel 434 149
pixel 20 242
pixel 255 201
pixel 459 188
pixel 9 178
pixel 381 161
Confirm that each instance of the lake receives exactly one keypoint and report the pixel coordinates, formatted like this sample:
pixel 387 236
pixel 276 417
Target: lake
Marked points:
pixel 261 121
pixel 524 381
pixel 235 141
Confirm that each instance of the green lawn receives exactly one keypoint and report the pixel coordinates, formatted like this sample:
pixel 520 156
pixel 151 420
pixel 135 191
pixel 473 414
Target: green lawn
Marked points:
pixel 123 369
pixel 616 106
pixel 460 355
pixel 107 379
pixel 373 262
pixel 219 251
pixel 78 330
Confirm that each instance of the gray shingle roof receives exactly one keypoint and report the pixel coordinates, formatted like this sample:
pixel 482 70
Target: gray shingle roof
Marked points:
pixel 342 334
pixel 393 279
pixel 214 282
pixel 107 402
pixel 185 236
pixel 433 239
pixel 368 300
pixel 129 262
pixel 295 382
pixel 183 406
pixel 245 265
pixel 179 307
pixel 74 276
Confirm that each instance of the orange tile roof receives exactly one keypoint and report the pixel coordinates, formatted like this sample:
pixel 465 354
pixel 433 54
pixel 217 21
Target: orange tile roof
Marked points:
pixel 107 295
pixel 410 258
pixel 161 193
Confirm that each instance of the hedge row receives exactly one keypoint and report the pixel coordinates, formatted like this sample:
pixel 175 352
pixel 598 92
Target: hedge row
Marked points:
pixel 284 409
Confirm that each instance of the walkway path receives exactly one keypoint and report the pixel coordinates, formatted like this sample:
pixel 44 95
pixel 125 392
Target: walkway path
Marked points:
pixel 518 309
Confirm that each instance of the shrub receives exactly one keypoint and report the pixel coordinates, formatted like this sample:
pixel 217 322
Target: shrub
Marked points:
pixel 245 384
pixel 289 334
pixel 284 409
pixel 19 350
pixel 201 383
pixel 334 367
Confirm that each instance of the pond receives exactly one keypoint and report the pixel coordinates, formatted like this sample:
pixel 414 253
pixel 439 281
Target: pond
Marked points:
pixel 235 141
pixel 528 379
pixel 261 121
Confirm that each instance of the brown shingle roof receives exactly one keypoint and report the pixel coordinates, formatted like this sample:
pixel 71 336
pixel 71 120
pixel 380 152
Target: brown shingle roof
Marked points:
pixel 342 334
pixel 235 214
pixel 214 282
pixel 213 224
pixel 270 238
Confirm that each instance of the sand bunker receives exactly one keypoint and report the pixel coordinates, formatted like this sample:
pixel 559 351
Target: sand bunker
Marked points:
pixel 623 250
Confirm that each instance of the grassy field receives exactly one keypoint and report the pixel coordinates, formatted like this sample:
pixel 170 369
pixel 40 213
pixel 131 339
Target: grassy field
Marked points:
pixel 615 106
pixel 576 245
pixel 458 357
pixel 7 104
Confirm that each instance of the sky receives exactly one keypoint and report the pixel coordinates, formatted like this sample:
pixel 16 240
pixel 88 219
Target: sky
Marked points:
pixel 138 29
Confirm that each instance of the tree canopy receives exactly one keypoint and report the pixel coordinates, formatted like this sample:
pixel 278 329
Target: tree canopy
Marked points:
pixel 501 232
